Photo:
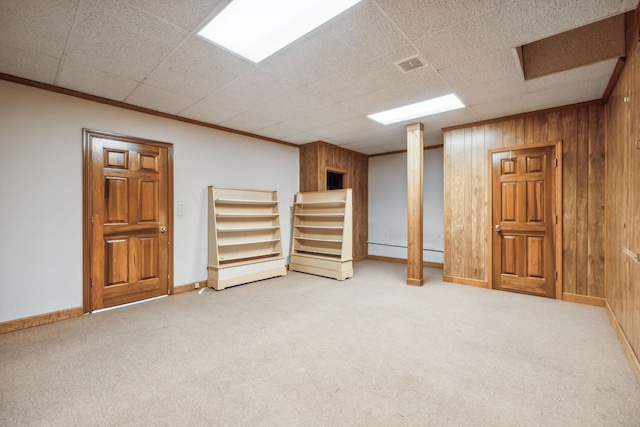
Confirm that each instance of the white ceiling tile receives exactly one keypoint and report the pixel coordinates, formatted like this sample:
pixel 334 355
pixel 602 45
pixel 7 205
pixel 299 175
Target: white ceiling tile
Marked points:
pixel 368 139
pixel 430 86
pixel 395 133
pixel 321 117
pixel 510 25
pixel 35 25
pixel 250 121
pixel 359 124
pixel 603 87
pixel 380 135
pixel 116 38
pixel 296 103
pixel 451 118
pixel 206 112
pixel 250 90
pixel 277 131
pixel 279 110
pixel 401 141
pixel 394 146
pixel 502 108
pixel 481 71
pixel 601 70
pixel 355 36
pixel 352 144
pixel 488 4
pixel 567 14
pixel 369 76
pixel 352 148
pixel 302 100
pixel 554 97
pixel 418 18
pixel 198 68
pixel 322 86
pixel 585 90
pixel 186 14
pixel 28 64
pixel 329 141
pixel 475 38
pixel 94 82
pixel 158 99
pixel 506 88
pixel 302 138
pixel 371 150
pixel 359 139
pixel 534 21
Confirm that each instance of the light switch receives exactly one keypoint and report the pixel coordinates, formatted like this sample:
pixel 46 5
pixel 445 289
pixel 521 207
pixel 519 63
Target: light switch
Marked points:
pixel 180 211
pixel 180 201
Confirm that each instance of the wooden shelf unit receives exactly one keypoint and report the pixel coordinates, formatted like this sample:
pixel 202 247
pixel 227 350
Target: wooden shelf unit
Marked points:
pixel 244 237
pixel 322 234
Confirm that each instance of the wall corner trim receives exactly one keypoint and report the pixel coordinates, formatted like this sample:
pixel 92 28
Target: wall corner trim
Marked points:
pixel 634 362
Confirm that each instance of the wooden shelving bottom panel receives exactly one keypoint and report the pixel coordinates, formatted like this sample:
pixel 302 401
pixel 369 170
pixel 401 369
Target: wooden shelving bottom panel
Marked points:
pixel 225 276
pixel 322 266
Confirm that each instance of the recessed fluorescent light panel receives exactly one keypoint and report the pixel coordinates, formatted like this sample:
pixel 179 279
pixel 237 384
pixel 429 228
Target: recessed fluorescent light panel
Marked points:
pixel 256 29
pixel 419 109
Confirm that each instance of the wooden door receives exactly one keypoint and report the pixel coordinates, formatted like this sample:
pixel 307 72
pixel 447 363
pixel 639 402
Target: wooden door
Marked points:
pixel 524 220
pixel 129 230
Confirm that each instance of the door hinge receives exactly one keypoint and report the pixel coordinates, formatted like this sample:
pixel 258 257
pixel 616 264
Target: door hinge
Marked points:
pixel 556 275
pixel 91 282
pixel 555 162
pixel 91 219
pixel 556 219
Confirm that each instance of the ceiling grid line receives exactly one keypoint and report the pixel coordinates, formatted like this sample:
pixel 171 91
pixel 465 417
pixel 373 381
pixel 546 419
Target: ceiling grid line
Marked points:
pixel 411 42
pixel 322 86
pixel 176 49
pixel 66 44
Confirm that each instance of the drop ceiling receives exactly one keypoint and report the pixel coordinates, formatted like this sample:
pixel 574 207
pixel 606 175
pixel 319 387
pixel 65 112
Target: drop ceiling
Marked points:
pixel 147 53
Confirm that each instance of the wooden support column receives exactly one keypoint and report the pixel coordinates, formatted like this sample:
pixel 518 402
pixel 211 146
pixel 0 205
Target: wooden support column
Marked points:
pixel 415 150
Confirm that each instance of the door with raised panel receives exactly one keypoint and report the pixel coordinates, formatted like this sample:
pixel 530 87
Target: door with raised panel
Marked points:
pixel 523 215
pixel 129 208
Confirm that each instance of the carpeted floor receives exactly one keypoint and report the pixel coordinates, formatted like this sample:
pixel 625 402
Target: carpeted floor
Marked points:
pixel 303 350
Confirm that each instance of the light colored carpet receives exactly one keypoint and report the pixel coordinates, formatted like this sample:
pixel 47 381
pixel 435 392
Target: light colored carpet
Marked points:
pixel 303 350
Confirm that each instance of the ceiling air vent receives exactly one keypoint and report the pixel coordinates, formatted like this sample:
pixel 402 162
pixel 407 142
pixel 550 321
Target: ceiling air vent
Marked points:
pixel 409 64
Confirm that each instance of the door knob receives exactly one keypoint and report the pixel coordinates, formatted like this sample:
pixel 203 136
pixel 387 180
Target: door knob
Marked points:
pixel 497 227
pixel 162 229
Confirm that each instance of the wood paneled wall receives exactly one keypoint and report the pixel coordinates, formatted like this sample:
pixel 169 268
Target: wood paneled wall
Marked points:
pixel 315 158
pixel 623 192
pixel 466 231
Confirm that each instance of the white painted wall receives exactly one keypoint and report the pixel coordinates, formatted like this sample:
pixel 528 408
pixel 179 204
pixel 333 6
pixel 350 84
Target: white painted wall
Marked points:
pixel 41 190
pixel 388 206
